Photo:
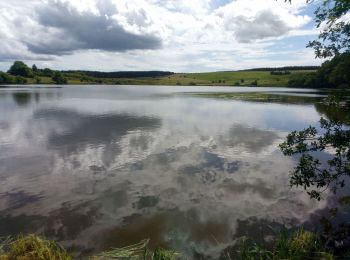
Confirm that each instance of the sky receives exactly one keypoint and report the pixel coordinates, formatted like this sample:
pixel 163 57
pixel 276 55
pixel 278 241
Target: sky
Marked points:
pixel 171 35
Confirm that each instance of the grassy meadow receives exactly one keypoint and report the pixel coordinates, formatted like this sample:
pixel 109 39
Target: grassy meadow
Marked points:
pixel 237 78
pixel 234 78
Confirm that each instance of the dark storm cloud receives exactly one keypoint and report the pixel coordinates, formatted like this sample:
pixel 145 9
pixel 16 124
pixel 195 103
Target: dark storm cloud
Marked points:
pixel 73 30
pixel 265 24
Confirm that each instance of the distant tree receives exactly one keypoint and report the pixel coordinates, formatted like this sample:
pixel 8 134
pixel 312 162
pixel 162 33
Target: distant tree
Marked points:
pixel 47 72
pixel 242 80
pixel 19 68
pixel 34 68
pixel 58 78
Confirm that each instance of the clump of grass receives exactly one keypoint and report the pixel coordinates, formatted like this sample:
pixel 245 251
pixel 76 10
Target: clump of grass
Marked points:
pixel 137 251
pixel 32 247
pixel 303 243
pixel 298 246
pixel 163 254
pixel 252 251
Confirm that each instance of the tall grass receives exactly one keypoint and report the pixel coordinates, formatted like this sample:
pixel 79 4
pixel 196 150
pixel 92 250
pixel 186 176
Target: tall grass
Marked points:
pixel 32 247
pixel 137 251
pixel 298 246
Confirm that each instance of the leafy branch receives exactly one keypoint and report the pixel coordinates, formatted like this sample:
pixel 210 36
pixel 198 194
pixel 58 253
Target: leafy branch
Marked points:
pixel 310 173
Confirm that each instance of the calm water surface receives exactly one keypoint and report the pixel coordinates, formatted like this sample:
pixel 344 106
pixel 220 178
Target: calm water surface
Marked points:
pixel 104 166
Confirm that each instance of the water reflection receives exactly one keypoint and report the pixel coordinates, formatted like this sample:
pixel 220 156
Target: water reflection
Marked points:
pixel 84 130
pixel 96 167
pixel 22 98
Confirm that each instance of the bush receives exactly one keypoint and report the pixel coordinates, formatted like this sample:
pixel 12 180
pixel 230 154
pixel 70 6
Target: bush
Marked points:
pixel 6 78
pixel 297 246
pixel 58 78
pixel 19 68
pixel 254 83
pixel 21 80
pixel 45 72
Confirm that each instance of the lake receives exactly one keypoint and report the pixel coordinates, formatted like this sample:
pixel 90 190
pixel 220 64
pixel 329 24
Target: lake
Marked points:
pixel 97 167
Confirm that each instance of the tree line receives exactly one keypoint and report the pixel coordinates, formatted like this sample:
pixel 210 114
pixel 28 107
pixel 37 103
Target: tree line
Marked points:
pixel 285 68
pixel 334 73
pixel 19 73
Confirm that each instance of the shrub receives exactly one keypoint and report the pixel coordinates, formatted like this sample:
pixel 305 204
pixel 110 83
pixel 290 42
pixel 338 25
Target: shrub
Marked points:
pixel 6 78
pixel 19 68
pixel 58 78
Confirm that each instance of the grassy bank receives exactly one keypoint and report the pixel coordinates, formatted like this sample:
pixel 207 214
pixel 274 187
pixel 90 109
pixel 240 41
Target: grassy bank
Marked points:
pixel 297 246
pixel 237 78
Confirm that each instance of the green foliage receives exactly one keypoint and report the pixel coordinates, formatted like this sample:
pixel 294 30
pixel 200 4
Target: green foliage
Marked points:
pixel 332 74
pixel 37 80
pixel 335 36
pixel 228 78
pixel 32 247
pixel 254 83
pixel 58 78
pixel 297 246
pixel 6 78
pixel 19 68
pixel 46 72
pixel 162 254
pixel 34 68
pixel 312 174
pixel 20 80
pixel 308 80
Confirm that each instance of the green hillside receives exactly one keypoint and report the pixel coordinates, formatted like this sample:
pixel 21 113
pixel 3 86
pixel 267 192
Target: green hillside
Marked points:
pixel 20 73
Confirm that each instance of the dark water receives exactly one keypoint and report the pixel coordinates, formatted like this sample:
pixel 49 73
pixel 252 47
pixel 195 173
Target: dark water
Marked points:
pixel 105 166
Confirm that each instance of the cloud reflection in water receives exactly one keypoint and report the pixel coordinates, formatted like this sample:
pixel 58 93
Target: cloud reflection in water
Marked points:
pixel 183 171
